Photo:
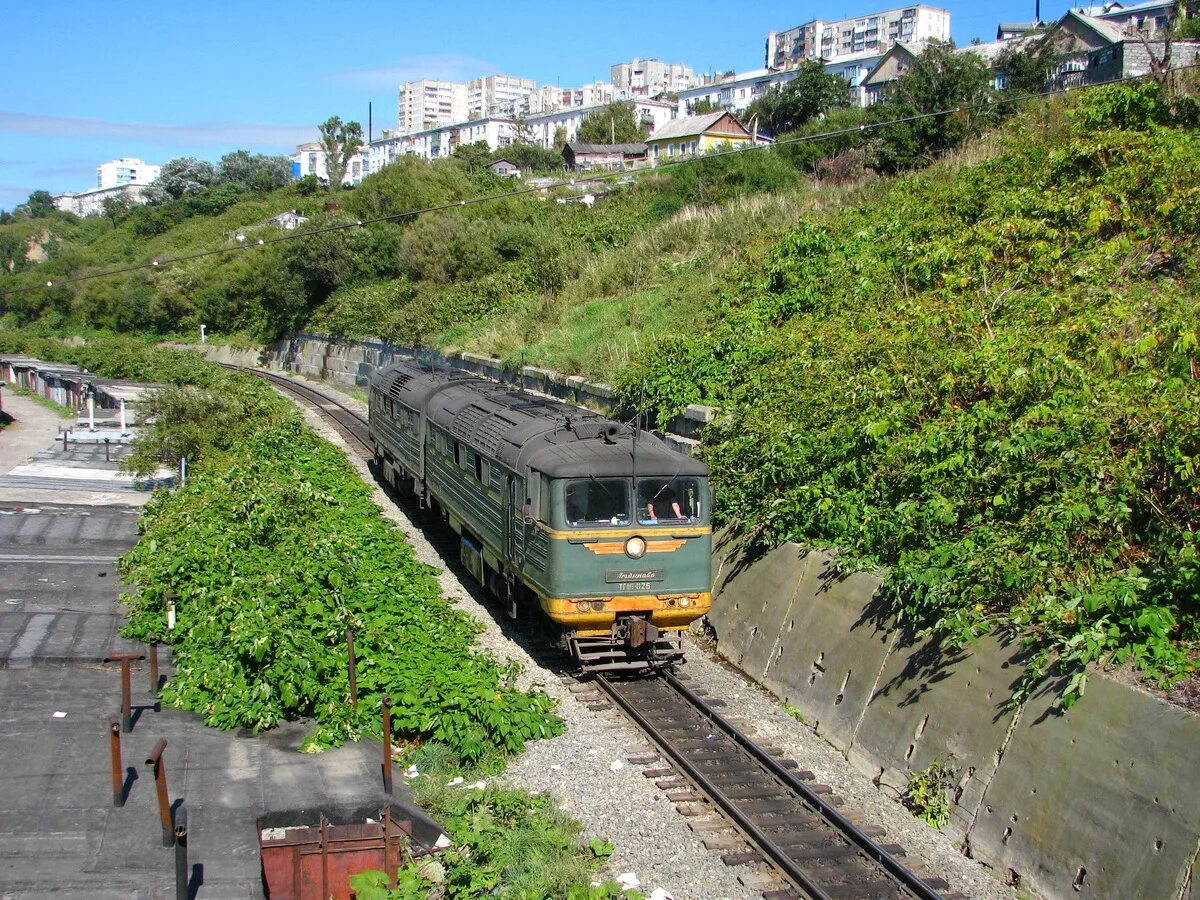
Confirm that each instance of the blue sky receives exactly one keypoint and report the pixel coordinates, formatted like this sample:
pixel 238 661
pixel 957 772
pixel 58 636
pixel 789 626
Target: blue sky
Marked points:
pixel 86 81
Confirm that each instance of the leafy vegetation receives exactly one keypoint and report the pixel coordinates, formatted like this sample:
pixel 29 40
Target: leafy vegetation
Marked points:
pixel 272 553
pixel 984 384
pixel 927 795
pixel 507 843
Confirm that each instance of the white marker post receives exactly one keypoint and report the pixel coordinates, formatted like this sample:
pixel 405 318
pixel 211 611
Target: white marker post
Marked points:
pixel 124 430
pixel 202 339
pixel 91 411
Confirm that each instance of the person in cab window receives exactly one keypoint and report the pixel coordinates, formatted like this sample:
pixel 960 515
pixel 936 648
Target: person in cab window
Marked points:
pixel 664 506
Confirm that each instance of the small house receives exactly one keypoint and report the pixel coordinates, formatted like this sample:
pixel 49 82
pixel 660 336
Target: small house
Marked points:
pixel 698 134
pixel 602 156
pixel 505 169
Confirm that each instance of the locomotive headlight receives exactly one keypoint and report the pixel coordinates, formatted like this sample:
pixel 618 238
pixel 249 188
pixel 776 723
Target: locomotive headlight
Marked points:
pixel 685 602
pixel 635 547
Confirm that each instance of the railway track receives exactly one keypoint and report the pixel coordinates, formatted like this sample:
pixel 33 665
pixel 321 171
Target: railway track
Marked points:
pixel 349 424
pixel 785 819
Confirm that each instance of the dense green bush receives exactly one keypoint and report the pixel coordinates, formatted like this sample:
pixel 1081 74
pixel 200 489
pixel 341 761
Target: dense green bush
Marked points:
pixel 986 384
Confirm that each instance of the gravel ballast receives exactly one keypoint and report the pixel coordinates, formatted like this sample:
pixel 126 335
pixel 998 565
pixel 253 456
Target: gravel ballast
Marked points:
pixel 587 771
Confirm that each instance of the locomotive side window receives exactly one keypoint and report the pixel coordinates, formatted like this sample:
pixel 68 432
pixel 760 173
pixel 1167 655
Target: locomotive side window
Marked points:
pixel 670 500
pixel 590 502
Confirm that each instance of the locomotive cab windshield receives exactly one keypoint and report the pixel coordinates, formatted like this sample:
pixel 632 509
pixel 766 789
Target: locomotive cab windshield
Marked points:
pixel 611 502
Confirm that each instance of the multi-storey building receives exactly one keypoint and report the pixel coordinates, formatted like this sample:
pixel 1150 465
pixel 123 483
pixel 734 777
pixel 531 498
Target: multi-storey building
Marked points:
pixel 650 78
pixel 309 159
pixel 428 103
pixel 499 95
pixel 545 130
pixel 125 171
pixel 826 40
pixel 550 99
pixel 736 92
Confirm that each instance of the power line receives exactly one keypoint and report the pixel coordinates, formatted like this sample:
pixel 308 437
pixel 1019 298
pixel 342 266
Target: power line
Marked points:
pixel 989 103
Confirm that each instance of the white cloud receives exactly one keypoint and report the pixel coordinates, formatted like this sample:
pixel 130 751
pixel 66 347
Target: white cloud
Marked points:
pixel 444 66
pixel 223 134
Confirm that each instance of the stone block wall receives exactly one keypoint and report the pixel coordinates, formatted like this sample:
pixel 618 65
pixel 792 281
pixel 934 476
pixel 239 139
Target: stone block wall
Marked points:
pixel 1101 801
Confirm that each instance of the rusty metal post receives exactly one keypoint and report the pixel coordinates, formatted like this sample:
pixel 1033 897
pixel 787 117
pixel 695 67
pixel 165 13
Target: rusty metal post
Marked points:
pixel 181 853
pixel 154 667
pixel 114 750
pixel 353 668
pixel 65 432
pixel 387 744
pixel 391 859
pixel 106 459
pixel 126 704
pixel 324 837
pixel 155 761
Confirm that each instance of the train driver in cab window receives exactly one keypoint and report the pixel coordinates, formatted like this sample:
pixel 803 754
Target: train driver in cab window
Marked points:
pixel 663 500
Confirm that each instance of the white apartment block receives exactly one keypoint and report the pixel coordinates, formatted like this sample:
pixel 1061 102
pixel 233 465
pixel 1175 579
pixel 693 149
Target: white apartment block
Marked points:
pixel 497 132
pixel 550 99
pixel 650 78
pixel 737 92
pixel 827 40
pixel 91 203
pixel 309 159
pixel 499 95
pixel 125 171
pixel 428 103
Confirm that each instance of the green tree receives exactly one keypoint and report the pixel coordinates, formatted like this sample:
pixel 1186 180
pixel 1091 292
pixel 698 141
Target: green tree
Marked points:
pixel 117 209
pixel 939 81
pixel 560 138
pixel 812 93
pixel 12 253
pixel 613 124
pixel 255 173
pixel 702 106
pixel 1027 68
pixel 181 178
pixel 475 156
pixel 340 141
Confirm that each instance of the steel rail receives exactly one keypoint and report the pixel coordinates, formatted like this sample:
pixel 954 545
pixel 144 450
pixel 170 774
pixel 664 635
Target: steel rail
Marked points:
pixel 827 811
pixel 760 838
pixel 763 842
pixel 350 422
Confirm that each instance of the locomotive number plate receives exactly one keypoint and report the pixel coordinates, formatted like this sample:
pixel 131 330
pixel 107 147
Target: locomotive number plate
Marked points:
pixel 621 576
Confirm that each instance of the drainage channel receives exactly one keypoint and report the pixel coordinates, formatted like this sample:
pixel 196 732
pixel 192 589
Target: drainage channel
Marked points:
pixel 792 824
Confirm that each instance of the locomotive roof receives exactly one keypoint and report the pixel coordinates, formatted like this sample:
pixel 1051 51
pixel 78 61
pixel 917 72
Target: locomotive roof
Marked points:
pixel 522 429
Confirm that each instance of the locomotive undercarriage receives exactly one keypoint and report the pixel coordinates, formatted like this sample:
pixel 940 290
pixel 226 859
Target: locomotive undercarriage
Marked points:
pixel 634 645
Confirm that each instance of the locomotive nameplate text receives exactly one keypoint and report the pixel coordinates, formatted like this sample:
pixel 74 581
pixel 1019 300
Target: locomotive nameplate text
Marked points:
pixel 624 575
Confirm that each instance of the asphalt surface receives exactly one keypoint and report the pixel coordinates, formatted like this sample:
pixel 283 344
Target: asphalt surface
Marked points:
pixel 61 835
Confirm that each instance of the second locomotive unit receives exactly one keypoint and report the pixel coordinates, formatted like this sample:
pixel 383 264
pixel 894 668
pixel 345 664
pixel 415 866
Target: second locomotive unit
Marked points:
pixel 598 525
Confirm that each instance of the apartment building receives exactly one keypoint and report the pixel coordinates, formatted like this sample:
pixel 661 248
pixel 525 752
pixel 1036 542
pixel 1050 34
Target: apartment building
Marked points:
pixel 551 98
pixel 497 132
pixel 428 103
pixel 827 40
pixel 499 95
pixel 737 91
pixel 126 170
pixel 309 159
pixel 650 78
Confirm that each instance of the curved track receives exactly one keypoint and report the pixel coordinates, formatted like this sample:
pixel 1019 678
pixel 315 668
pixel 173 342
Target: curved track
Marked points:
pixel 791 823
pixel 348 423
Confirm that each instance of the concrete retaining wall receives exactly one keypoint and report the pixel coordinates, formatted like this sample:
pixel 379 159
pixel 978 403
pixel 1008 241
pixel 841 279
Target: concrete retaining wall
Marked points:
pixel 1102 801
pixel 351 364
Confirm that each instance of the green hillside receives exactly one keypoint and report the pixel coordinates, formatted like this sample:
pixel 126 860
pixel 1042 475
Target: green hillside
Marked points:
pixel 980 378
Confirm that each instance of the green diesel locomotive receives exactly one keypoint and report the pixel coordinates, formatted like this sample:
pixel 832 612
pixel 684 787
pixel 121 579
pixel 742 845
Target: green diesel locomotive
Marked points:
pixel 598 525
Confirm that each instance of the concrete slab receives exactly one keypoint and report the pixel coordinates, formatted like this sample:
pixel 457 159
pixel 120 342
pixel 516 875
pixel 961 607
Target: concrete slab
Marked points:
pixel 831 649
pixel 1100 802
pixel 939 703
pixel 753 605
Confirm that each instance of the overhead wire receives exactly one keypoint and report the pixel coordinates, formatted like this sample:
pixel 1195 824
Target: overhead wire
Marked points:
pixel 601 177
